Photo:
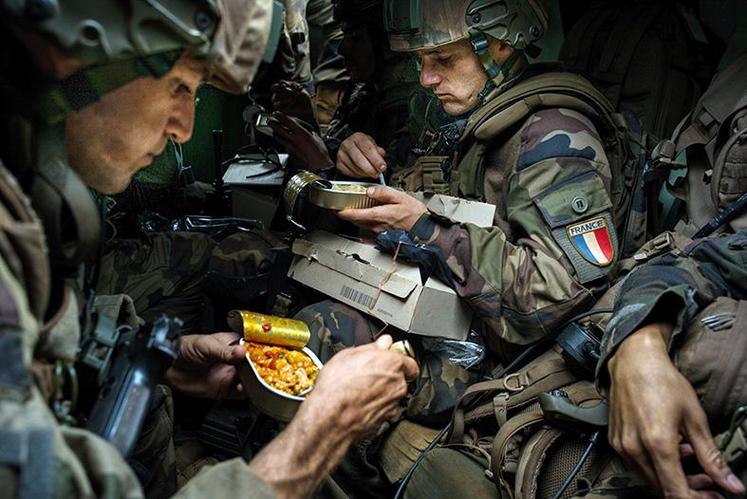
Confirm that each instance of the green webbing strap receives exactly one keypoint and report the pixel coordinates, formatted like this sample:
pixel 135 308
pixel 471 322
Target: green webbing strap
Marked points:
pixel 498 74
pixel 87 85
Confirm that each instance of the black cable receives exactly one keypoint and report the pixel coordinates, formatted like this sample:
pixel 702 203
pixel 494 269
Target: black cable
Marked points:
pixel 434 442
pixel 576 469
pixel 411 471
pixel 406 478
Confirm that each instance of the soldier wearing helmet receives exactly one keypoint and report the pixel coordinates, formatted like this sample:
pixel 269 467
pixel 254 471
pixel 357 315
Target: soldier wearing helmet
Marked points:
pixel 528 142
pixel 91 91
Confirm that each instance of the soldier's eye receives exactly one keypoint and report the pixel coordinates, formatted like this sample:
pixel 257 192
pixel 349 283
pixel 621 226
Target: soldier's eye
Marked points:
pixel 181 88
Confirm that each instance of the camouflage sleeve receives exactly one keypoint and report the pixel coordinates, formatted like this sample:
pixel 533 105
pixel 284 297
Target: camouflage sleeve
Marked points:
pixel 675 287
pixel 525 284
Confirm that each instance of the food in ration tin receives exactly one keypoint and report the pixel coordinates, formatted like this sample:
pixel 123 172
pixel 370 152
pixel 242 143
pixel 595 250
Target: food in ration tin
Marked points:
pixel 290 371
pixel 358 188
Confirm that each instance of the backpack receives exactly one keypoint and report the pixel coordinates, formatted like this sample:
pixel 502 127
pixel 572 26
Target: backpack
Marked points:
pixel 646 57
pixel 530 455
pixel 714 137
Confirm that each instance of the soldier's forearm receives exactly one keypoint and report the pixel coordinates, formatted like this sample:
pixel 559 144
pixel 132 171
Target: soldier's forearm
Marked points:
pixel 295 463
pixel 493 274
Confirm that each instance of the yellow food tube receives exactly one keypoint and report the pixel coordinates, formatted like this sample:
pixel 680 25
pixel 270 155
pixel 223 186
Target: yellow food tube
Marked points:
pixel 269 329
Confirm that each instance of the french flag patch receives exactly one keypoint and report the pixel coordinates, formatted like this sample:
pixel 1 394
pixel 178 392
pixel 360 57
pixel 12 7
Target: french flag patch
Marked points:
pixel 592 240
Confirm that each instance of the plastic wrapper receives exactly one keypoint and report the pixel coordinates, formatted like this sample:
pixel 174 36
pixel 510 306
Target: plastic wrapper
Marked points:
pixel 217 227
pixel 467 354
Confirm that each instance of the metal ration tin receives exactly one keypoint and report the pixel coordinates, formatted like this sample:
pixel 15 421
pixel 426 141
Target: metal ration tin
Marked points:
pixel 271 401
pixel 293 190
pixel 269 329
pixel 336 198
pixel 403 347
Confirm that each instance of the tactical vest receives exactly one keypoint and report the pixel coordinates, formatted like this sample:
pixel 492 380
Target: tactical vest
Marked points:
pixel 622 144
pixel 714 136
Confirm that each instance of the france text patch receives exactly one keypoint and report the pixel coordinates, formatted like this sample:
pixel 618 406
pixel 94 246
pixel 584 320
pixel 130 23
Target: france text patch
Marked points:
pixel 591 238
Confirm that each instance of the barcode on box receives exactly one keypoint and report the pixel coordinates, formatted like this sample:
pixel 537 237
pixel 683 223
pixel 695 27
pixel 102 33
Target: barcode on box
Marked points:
pixel 356 296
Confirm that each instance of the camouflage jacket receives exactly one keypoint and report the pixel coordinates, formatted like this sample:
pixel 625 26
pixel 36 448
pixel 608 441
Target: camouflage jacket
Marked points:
pixel 38 456
pixel 553 239
pixel 675 287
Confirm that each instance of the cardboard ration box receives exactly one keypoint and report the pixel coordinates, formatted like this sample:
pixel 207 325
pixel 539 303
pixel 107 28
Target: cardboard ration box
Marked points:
pixel 458 209
pixel 359 275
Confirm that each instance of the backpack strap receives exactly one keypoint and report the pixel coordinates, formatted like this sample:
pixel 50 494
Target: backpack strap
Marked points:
pixel 548 90
pixel 546 373
pixel 553 89
pixel 501 442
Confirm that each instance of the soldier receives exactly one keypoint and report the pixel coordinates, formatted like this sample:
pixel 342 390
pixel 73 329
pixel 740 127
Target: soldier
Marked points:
pixel 377 103
pixel 554 239
pixel 684 306
pixel 688 303
pixel 538 157
pixel 91 93
pixel 679 319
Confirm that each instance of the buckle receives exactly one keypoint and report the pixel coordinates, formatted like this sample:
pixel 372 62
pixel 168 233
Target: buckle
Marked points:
pixel 660 244
pixel 519 387
pixel 65 393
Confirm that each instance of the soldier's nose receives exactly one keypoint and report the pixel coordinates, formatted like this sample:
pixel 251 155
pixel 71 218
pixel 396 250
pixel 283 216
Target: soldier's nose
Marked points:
pixel 428 77
pixel 181 121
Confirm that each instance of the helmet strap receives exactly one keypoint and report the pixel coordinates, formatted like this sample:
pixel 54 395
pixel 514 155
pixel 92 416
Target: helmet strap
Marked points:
pixel 88 85
pixel 499 75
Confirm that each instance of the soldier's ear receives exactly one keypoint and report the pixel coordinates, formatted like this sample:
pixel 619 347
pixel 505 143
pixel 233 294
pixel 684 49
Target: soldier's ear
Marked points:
pixel 499 50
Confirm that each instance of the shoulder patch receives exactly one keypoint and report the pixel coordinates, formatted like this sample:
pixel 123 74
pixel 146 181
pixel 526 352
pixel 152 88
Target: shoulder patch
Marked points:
pixel 592 240
pixel 590 245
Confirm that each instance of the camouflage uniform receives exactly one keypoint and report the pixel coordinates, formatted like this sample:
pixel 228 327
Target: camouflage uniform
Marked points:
pixel 39 457
pixel 708 277
pixel 163 274
pixel 39 313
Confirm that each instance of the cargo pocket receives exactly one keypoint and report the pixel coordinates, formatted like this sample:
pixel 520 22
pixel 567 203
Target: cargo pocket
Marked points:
pixel 578 212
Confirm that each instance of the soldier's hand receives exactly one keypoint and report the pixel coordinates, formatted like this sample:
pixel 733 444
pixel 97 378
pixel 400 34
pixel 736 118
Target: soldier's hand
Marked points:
pixel 362 387
pixel 656 419
pixel 289 97
pixel 360 157
pixel 398 210
pixel 206 366
pixel 306 148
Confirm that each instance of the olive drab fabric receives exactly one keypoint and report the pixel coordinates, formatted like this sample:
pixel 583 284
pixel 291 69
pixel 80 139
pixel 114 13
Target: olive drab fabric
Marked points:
pixel 505 447
pixel 687 280
pixel 713 136
pixel 39 457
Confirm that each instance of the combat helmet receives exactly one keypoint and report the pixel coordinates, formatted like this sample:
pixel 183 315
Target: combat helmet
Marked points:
pixel 426 24
pixel 118 41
